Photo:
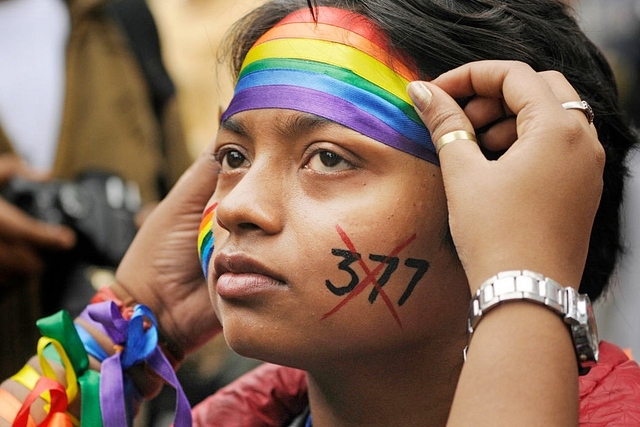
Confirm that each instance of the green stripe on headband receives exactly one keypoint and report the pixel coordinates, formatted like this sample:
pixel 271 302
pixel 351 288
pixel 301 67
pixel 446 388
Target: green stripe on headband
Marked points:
pixel 335 54
pixel 335 72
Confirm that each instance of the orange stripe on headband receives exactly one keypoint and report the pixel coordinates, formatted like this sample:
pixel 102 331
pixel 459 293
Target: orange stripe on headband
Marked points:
pixel 344 19
pixel 331 33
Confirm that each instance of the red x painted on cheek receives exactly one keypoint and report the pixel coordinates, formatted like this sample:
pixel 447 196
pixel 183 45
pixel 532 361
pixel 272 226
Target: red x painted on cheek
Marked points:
pixel 355 287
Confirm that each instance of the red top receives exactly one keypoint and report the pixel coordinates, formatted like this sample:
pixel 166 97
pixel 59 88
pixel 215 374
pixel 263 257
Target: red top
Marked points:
pixel 271 396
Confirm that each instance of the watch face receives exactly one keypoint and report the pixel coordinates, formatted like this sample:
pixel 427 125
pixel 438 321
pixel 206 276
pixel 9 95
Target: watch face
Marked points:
pixel 585 334
pixel 592 328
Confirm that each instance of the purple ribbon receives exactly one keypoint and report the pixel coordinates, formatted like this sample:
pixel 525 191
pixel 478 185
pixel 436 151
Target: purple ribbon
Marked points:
pixel 117 391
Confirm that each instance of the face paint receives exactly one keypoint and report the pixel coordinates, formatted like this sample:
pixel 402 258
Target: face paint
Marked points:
pixel 376 277
pixel 338 67
pixel 205 238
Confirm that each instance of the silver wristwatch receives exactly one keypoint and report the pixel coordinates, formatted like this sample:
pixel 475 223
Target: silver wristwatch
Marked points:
pixel 574 308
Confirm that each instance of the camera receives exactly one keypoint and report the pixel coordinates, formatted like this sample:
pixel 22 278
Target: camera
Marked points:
pixel 100 207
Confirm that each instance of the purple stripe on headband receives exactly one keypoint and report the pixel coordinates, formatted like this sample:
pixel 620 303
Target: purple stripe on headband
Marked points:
pixel 364 99
pixel 330 107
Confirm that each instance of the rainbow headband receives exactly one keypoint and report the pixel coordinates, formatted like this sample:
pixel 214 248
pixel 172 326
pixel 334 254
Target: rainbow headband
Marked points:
pixel 337 66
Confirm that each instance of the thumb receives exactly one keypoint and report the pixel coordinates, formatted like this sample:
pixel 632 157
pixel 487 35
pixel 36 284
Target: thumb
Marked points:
pixel 451 131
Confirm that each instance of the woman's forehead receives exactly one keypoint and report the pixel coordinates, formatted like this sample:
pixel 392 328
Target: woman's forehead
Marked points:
pixel 283 121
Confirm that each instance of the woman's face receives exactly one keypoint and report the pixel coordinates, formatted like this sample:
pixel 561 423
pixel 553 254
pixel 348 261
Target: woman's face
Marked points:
pixel 328 244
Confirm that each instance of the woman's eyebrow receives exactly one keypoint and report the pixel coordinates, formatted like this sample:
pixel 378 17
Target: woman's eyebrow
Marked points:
pixel 234 126
pixel 289 127
pixel 303 123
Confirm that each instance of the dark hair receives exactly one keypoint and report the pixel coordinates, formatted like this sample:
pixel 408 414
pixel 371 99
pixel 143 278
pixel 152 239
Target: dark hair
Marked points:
pixel 442 34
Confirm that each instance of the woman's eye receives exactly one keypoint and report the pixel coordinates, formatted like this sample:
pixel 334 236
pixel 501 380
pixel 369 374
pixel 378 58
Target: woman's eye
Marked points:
pixel 328 161
pixel 232 159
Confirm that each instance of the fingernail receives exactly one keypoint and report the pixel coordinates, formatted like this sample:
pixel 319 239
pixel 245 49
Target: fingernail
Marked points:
pixel 420 95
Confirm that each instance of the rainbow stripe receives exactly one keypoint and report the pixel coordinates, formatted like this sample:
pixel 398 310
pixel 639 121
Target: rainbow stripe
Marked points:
pixel 340 68
pixel 205 239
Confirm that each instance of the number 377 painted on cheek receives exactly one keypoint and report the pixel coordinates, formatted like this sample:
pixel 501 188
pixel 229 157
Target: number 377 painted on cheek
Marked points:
pixel 388 262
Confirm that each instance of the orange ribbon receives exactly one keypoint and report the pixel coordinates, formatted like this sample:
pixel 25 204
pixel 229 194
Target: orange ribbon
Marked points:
pixel 57 416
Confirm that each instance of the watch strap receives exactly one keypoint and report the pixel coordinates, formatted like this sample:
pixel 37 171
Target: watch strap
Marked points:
pixel 516 285
pixel 525 285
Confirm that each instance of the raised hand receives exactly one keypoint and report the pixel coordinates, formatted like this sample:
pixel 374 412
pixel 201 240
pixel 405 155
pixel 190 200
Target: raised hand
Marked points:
pixel 161 268
pixel 534 206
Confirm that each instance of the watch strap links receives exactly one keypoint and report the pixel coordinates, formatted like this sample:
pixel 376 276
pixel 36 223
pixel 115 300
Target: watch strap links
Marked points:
pixel 525 285
pixel 516 285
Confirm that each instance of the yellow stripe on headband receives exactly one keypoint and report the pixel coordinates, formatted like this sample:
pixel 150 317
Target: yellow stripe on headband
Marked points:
pixel 335 54
pixel 332 33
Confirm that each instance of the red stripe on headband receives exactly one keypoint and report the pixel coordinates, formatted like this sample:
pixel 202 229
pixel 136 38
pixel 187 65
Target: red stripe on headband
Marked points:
pixel 354 23
pixel 331 33
pixel 340 18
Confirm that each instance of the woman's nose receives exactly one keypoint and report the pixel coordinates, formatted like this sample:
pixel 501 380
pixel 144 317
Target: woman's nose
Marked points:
pixel 254 203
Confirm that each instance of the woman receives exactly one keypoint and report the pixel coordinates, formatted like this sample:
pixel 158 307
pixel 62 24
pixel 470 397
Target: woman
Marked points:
pixel 341 241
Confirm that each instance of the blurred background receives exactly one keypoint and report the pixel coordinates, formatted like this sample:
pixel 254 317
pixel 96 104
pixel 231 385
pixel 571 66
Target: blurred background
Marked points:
pixel 190 32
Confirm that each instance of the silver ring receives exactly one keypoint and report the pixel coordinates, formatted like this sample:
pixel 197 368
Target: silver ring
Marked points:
pixel 582 106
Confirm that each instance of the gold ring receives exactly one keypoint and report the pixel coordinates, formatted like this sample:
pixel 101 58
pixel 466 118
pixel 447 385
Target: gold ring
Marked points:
pixel 454 136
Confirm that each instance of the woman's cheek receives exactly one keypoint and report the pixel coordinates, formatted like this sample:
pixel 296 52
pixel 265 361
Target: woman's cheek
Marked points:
pixel 386 275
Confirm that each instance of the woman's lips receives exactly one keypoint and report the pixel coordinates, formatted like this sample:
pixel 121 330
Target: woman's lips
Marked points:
pixel 233 285
pixel 238 275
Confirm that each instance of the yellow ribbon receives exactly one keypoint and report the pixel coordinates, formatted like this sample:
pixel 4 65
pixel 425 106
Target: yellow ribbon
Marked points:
pixel 28 377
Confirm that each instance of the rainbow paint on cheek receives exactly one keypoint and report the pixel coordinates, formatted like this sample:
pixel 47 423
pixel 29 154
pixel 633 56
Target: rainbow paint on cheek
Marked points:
pixel 205 238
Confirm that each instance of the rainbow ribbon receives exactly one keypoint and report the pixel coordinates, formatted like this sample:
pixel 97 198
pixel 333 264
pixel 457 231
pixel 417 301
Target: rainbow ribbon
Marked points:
pixel 61 343
pixel 137 343
pixel 338 67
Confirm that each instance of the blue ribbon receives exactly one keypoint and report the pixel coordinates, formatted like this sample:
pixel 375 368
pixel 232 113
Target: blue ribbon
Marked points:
pixel 134 345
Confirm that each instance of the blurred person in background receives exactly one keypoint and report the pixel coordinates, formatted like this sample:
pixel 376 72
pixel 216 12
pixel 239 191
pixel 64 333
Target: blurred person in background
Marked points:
pixel 82 90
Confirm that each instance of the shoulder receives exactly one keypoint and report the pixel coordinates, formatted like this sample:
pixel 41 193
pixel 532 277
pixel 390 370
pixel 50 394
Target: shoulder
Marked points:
pixel 269 395
pixel 610 393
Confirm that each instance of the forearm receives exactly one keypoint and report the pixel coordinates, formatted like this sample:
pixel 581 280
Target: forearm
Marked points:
pixel 521 370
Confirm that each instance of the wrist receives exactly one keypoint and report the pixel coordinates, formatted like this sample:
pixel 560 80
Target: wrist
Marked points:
pixel 126 303
pixel 526 286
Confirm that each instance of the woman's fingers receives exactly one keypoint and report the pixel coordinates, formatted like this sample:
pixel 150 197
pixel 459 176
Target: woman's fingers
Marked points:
pixel 533 208
pixel 565 93
pixel 448 126
pixel 495 123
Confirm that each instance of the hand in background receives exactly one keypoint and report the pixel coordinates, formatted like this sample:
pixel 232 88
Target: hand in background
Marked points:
pixel 22 238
